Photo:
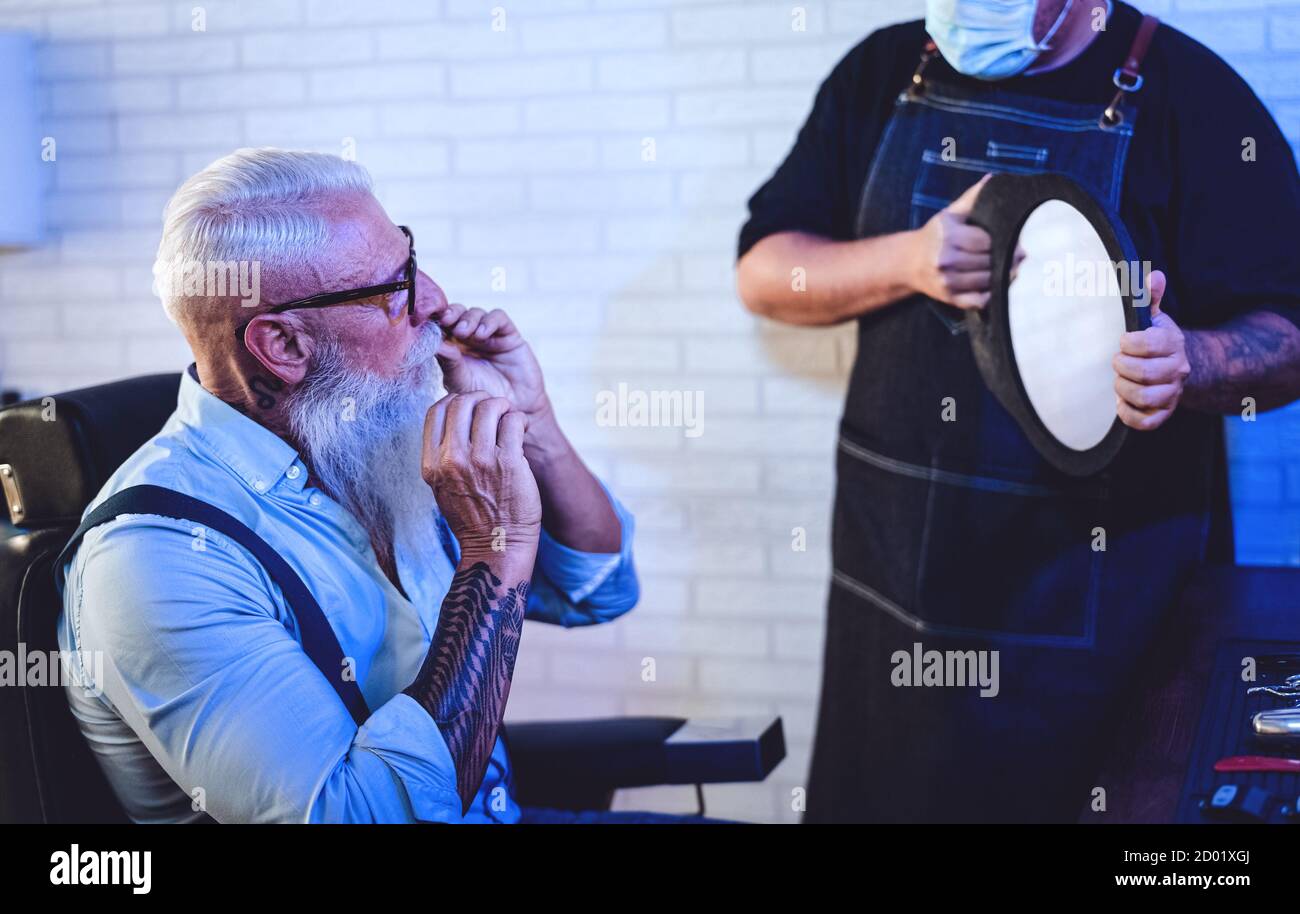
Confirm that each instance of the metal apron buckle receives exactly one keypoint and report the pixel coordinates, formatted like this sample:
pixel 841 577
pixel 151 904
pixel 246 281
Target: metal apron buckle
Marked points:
pixel 1112 116
pixel 918 80
pixel 1128 78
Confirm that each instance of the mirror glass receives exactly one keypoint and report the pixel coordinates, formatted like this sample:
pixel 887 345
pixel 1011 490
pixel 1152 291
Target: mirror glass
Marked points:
pixel 1066 316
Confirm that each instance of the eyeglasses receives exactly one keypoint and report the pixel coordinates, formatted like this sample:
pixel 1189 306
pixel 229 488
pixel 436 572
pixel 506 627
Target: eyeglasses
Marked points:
pixel 347 296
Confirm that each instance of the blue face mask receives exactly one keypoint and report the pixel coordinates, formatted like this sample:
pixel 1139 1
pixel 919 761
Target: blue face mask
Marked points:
pixel 988 39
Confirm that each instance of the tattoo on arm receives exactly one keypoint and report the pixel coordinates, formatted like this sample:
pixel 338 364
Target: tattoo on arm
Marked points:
pixel 465 679
pixel 1257 356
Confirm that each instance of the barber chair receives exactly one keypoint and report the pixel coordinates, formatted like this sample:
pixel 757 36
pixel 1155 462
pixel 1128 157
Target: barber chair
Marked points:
pixel 55 455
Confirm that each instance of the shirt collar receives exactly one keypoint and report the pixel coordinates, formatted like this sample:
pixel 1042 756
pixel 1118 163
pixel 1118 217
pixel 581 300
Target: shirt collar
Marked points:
pixel 258 456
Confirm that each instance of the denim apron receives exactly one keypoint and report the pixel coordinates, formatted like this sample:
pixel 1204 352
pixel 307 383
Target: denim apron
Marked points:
pixel 950 531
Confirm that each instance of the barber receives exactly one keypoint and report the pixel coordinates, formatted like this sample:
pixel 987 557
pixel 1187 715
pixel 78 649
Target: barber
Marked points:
pixel 949 530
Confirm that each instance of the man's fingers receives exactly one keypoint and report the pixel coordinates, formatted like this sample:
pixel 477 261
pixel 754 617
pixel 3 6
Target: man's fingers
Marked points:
pixel 1156 283
pixel 457 373
pixel 971 281
pixel 493 322
pixel 448 316
pixel 962 205
pixel 970 238
pixel 510 433
pixel 1150 343
pixel 483 429
pixel 1163 370
pixel 971 299
pixel 460 416
pixel 468 323
pixel 489 330
pixel 448 351
pixel 435 421
pixel 952 258
pixel 1142 420
pixel 1147 396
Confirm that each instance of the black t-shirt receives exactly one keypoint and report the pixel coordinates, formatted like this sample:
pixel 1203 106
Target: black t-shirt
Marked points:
pixel 1222 228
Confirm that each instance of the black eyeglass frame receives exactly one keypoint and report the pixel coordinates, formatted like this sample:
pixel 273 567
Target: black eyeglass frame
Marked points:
pixel 347 296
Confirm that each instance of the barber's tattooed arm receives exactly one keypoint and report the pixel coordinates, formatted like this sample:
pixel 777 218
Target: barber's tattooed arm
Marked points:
pixel 1251 361
pixel 465 679
pixel 1256 356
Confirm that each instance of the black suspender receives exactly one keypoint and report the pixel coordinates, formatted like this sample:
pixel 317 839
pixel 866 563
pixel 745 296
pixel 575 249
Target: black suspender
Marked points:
pixel 318 639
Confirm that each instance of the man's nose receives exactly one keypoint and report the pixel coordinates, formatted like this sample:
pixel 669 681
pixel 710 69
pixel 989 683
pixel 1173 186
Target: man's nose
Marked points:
pixel 429 299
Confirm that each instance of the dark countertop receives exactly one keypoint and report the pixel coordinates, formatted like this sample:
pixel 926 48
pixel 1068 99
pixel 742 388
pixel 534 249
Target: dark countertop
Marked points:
pixel 1144 769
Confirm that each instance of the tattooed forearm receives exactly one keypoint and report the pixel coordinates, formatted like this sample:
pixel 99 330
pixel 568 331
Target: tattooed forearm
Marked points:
pixel 1255 356
pixel 465 679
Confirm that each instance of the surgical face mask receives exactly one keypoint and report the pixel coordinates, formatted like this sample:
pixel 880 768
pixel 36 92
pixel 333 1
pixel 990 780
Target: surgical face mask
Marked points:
pixel 988 39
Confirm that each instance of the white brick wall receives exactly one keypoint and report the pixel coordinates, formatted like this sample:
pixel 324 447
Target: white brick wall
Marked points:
pixel 521 150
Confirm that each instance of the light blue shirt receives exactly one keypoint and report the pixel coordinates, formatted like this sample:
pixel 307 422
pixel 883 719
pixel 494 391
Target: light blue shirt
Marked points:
pixel 206 705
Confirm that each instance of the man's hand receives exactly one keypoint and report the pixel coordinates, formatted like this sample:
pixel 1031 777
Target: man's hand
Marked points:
pixel 484 356
pixel 951 258
pixel 474 462
pixel 1151 367
pixel 482 350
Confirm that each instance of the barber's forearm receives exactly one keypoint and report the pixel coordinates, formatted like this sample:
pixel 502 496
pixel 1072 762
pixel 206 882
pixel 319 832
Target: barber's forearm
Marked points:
pixel 465 679
pixel 575 509
pixel 1256 356
pixel 800 278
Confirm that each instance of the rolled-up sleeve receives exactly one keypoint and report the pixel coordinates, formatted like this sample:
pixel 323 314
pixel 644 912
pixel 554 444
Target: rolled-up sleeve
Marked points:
pixel 572 588
pixel 196 662
pixel 406 741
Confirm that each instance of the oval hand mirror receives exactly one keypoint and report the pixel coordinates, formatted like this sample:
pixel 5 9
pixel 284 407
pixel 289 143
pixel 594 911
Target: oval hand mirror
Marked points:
pixel 1066 285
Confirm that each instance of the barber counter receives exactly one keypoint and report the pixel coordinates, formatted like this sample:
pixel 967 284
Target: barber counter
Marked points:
pixel 1190 708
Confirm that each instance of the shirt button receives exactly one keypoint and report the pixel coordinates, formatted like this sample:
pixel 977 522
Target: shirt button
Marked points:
pixel 293 472
pixel 259 484
pixel 315 501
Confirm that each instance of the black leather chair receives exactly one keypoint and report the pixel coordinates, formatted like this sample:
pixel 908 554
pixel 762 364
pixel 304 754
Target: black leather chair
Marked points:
pixel 55 455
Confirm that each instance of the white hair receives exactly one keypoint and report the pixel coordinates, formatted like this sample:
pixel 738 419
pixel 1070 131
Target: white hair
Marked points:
pixel 252 206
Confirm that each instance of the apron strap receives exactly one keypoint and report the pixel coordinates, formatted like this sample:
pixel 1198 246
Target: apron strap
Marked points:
pixel 918 80
pixel 1128 78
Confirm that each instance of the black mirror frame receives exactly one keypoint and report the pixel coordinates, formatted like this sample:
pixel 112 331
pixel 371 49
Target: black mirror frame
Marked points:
pixel 1001 209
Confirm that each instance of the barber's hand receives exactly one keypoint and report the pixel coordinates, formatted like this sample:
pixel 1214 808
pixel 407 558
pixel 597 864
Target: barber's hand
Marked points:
pixel 474 462
pixel 952 257
pixel 1151 367
pixel 482 350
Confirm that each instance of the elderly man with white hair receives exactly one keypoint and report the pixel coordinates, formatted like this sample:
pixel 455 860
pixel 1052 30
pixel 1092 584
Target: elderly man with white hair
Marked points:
pixel 426 531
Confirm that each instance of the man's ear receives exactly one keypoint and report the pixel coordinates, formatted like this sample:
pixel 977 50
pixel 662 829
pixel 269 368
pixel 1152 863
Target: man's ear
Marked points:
pixel 282 344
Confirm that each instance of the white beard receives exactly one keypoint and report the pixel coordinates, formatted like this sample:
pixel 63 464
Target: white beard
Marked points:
pixel 362 436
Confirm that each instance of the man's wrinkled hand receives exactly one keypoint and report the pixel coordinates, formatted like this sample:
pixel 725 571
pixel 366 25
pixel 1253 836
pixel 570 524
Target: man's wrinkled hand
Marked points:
pixel 483 350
